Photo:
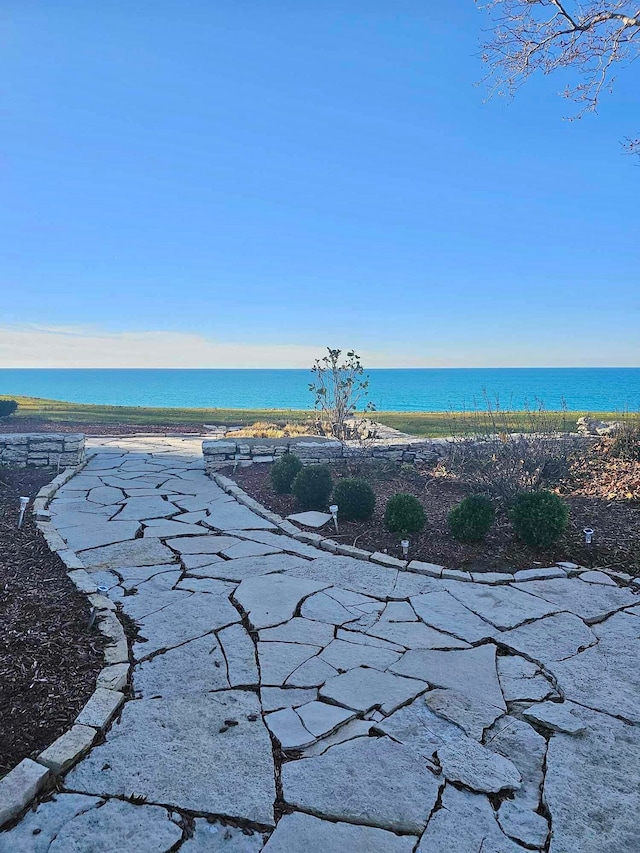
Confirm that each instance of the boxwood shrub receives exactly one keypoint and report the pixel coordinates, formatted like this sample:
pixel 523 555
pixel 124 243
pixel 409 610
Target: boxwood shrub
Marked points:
pixel 284 472
pixel 539 518
pixel 404 514
pixel 471 519
pixel 355 498
pixel 312 487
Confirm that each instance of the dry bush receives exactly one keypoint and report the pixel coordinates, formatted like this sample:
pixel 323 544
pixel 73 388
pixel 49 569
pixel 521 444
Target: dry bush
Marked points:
pixel 626 441
pixel 490 457
pixel 266 430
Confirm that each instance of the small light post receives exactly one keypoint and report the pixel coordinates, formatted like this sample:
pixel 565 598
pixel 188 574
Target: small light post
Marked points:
pixel 404 544
pixel 92 618
pixel 333 509
pixel 24 502
pixel 588 541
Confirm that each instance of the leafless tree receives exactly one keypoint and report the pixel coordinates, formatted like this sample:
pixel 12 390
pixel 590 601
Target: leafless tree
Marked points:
pixel 584 39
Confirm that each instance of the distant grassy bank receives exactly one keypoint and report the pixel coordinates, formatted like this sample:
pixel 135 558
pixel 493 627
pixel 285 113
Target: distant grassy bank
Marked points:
pixel 428 424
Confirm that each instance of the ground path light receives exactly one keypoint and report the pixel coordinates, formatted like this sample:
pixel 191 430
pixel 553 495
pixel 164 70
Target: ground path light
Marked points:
pixel 23 506
pixel 333 509
pixel 404 544
pixel 588 535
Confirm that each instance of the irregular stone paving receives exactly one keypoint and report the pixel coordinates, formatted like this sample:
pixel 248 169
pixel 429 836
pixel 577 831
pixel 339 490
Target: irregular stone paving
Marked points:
pixel 285 700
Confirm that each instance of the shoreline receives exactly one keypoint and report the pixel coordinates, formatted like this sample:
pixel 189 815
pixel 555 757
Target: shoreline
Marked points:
pixel 35 413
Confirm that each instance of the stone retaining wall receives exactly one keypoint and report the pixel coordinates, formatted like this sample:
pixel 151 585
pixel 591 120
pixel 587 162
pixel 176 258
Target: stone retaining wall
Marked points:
pixel 41 449
pixel 220 453
pixel 225 452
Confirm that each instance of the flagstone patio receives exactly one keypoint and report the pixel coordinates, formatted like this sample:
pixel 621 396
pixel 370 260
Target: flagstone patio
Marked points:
pixel 285 700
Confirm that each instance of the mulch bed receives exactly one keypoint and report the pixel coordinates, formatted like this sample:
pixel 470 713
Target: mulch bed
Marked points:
pixel 616 522
pixel 11 425
pixel 48 659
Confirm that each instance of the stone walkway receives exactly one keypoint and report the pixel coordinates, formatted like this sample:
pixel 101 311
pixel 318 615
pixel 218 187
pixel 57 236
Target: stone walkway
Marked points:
pixel 286 700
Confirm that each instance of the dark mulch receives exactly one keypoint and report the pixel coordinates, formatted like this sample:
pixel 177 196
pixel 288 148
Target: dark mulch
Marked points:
pixel 48 659
pixel 40 425
pixel 617 523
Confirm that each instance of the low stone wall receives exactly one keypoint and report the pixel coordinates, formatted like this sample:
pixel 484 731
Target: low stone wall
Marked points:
pixel 41 449
pixel 220 453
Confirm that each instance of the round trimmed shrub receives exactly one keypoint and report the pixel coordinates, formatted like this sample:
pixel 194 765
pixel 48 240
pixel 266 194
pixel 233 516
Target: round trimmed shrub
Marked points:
pixel 312 487
pixel 7 407
pixel 404 514
pixel 539 518
pixel 355 498
pixel 471 519
pixel 284 472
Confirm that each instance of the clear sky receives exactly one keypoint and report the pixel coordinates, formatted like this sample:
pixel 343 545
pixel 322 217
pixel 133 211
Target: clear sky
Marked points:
pixel 240 183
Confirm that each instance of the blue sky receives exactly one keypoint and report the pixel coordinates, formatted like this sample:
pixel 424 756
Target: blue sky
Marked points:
pixel 197 184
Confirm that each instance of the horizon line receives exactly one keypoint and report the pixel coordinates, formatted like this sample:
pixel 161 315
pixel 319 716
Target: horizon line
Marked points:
pixel 366 369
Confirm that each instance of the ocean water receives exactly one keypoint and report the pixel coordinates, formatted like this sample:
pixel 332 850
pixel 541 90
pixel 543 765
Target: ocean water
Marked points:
pixel 430 389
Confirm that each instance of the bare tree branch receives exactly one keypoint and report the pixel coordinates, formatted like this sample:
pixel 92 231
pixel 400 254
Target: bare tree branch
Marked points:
pixel 584 39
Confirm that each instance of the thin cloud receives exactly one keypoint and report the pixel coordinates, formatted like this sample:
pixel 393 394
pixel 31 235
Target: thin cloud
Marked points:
pixel 63 346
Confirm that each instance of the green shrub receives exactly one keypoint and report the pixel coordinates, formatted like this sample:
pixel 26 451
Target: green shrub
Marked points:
pixel 404 514
pixel 312 487
pixel 284 472
pixel 7 407
pixel 471 519
pixel 355 498
pixel 539 518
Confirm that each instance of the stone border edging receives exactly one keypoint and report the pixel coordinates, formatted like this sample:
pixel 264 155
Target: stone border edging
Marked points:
pixel 562 569
pixel 29 777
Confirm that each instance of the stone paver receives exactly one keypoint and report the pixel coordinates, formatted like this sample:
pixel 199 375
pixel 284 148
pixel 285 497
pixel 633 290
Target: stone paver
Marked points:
pixel 147 829
pixel 312 518
pixel 363 688
pixel 471 673
pixel 137 552
pixel 405 700
pixel 301 833
pixel 369 781
pixel 469 819
pixel 272 599
pixel 465 761
pixel 211 836
pixel 237 778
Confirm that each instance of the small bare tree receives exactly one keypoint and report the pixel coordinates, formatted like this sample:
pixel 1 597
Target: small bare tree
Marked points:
pixel 584 39
pixel 339 388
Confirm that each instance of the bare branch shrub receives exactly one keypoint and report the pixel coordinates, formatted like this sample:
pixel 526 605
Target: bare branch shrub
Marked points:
pixel 492 458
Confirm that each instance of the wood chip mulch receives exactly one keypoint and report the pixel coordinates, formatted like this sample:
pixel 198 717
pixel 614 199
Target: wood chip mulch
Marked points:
pixel 48 659
pixel 616 522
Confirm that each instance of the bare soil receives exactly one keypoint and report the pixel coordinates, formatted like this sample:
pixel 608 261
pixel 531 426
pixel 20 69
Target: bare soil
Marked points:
pixel 48 659
pixel 616 521
pixel 11 425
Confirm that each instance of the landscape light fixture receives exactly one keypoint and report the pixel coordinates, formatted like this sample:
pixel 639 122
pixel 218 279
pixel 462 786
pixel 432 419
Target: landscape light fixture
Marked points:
pixel 588 535
pixel 23 506
pixel 404 544
pixel 333 509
